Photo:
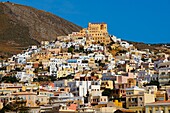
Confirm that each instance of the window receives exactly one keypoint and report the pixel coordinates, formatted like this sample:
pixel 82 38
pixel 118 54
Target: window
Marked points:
pixel 133 99
pixel 61 89
pixel 129 99
pixel 163 73
pixel 140 98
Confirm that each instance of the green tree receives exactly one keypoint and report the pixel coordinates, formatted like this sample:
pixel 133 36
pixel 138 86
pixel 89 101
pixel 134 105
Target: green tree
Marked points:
pixel 53 78
pixel 106 92
pixel 70 50
pixel 153 82
pixel 70 77
pixel 9 79
pixel 102 64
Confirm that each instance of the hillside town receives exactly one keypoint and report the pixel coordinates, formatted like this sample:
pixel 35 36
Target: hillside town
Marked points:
pixel 89 71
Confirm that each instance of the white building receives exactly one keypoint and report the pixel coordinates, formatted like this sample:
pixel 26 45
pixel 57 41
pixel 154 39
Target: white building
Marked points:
pixel 164 73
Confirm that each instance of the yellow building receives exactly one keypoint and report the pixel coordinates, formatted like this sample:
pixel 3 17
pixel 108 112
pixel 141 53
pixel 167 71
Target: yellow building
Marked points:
pixel 42 99
pixel 120 88
pixel 29 71
pixel 136 99
pixel 63 72
pixel 28 97
pixel 1 105
pixel 64 56
pixel 158 107
pixel 99 75
pixel 130 67
pixel 44 95
pixel 115 46
pixel 98 101
pixel 96 32
pixel 118 104
pixel 10 67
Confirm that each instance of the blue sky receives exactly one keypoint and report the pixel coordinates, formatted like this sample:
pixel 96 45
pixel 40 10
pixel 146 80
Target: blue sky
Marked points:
pixel 135 20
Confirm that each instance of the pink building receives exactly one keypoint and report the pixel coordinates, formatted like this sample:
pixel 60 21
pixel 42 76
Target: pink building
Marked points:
pixel 124 77
pixel 73 107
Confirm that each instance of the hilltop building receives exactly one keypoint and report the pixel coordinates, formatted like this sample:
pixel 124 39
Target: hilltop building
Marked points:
pixel 96 32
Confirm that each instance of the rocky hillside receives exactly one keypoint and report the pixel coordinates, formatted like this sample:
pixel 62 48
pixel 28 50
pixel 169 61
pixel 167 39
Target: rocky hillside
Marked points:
pixel 157 48
pixel 21 26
